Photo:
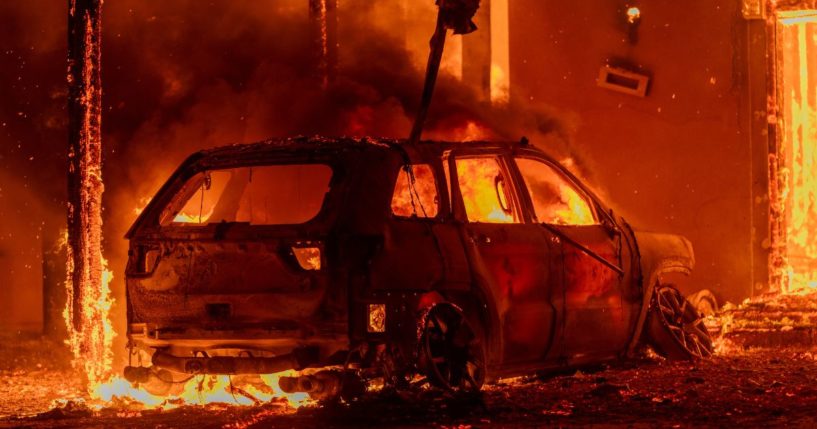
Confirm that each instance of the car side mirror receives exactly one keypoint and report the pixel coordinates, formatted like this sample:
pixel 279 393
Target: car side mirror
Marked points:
pixel 610 226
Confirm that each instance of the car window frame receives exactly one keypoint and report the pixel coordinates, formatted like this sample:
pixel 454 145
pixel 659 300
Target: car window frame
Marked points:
pixel 506 162
pixel 442 204
pixel 597 208
pixel 174 227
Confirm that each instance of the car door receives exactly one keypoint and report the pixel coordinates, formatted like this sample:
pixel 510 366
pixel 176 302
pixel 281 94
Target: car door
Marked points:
pixel 508 254
pixel 594 322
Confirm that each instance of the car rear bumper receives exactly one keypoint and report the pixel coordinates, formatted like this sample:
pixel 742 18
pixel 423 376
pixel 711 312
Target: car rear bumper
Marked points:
pixel 181 341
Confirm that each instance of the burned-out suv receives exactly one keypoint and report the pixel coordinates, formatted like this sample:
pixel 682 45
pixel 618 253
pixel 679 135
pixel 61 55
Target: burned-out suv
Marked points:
pixel 355 259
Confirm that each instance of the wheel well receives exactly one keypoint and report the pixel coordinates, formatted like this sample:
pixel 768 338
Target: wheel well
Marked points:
pixel 480 314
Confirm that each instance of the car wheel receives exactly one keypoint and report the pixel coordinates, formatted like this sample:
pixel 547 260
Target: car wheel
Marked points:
pixel 675 328
pixel 452 352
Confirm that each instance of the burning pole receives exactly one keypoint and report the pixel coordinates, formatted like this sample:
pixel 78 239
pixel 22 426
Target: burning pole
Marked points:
pixel 323 33
pixel 88 295
pixel 456 15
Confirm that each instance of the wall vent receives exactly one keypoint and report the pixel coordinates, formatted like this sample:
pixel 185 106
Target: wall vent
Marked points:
pixel 622 80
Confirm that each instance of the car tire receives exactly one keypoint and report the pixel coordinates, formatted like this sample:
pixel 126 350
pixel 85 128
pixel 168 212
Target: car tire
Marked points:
pixel 451 351
pixel 675 328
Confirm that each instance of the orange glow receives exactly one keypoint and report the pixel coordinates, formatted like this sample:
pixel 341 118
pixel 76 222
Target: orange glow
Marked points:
pixel 555 200
pixel 309 258
pixel 203 390
pixel 795 267
pixel 471 131
pixel 485 191
pixel 500 51
pixel 418 198
pixel 183 217
pixel 104 387
pixel 92 345
pixel 633 15
pixel 377 318
pixel 575 210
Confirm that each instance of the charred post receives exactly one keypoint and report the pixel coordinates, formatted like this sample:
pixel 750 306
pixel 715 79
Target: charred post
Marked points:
pixel 323 31
pixel 85 268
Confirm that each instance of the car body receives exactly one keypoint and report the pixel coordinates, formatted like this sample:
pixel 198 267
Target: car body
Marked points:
pixel 386 259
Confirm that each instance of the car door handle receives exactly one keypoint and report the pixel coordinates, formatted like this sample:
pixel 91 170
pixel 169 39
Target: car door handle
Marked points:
pixel 481 239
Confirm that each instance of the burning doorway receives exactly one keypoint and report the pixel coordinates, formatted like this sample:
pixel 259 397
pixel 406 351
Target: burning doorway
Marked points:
pixel 796 40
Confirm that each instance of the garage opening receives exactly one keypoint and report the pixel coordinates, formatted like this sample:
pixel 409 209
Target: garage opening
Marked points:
pixel 797 151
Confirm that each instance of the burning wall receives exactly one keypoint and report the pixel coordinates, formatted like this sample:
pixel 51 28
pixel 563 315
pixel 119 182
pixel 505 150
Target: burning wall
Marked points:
pixel 795 256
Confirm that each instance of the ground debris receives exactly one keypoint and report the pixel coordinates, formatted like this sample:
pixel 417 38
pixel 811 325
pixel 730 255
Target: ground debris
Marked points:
pixel 751 387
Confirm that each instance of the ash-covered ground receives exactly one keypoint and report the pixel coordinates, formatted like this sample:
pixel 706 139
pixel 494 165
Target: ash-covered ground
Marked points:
pixel 757 387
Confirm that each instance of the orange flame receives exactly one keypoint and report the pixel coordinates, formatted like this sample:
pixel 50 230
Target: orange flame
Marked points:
pixel 484 191
pixel 794 259
pixel 91 346
pixel 105 388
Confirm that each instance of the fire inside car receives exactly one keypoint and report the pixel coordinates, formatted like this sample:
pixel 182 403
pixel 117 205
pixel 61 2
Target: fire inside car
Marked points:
pixel 281 265
pixel 405 213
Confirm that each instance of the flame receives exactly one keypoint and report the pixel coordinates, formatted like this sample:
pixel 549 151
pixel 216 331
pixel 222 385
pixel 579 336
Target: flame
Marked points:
pixel 183 217
pixel 93 357
pixel 483 196
pixel 186 215
pixel 203 390
pixel 309 258
pixel 574 210
pixel 92 345
pixel 794 250
pixel 418 198
pixel 555 199
pixel 141 204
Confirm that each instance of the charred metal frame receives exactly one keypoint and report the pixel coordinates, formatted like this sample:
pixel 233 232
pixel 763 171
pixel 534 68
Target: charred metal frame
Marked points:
pixel 407 264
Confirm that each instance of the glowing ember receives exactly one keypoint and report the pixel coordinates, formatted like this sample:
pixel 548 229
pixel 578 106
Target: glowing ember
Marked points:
pixel 309 258
pixel 90 333
pixel 91 346
pixel 204 390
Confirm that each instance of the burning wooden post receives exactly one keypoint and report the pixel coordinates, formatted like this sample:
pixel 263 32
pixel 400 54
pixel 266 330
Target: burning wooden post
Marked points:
pixel 88 301
pixel 323 37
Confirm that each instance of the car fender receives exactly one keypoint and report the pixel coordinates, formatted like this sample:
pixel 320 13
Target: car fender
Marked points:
pixel 658 254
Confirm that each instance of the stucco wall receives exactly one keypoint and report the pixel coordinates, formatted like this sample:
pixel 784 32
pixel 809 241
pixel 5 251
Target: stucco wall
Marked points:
pixel 677 160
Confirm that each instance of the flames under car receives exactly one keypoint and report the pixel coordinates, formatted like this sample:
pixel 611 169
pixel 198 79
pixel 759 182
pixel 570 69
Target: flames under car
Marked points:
pixel 355 259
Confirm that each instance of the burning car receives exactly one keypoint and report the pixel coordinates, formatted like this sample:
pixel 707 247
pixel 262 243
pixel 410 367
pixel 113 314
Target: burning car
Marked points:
pixel 358 259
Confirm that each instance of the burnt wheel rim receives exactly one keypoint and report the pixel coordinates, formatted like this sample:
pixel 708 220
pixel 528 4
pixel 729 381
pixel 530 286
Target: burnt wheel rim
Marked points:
pixel 684 322
pixel 453 353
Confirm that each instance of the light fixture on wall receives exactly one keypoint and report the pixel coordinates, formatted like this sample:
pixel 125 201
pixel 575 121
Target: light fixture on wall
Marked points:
pixel 633 15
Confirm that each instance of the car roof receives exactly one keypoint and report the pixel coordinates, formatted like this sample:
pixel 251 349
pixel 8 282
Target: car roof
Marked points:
pixel 275 149
pixel 271 149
